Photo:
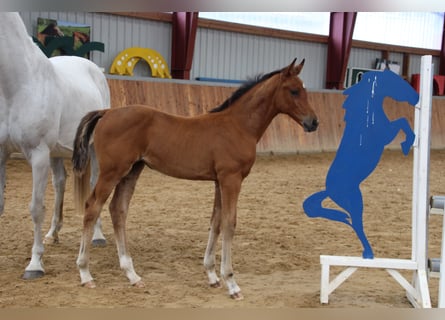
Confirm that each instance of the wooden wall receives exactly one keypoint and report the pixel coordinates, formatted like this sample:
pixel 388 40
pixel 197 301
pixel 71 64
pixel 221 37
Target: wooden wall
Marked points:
pixel 283 135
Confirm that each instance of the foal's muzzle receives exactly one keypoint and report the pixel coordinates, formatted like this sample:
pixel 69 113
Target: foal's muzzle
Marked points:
pixel 310 124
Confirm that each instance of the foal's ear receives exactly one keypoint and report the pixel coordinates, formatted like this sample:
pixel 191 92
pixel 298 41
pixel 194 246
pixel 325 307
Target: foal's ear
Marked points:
pixel 293 70
pixel 299 67
pixel 288 71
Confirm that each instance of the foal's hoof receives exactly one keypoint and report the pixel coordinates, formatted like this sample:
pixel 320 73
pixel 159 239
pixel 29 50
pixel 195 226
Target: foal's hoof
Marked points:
pixel 89 285
pixel 139 284
pixel 217 284
pixel 99 243
pixel 237 296
pixel 33 274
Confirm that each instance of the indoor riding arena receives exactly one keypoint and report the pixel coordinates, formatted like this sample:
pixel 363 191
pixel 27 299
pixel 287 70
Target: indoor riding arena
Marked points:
pixel 276 248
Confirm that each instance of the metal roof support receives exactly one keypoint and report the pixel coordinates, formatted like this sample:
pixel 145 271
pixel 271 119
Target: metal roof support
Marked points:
pixel 339 46
pixel 442 52
pixel 184 26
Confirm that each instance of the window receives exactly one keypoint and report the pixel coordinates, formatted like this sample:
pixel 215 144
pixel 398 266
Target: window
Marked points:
pixel 308 22
pixel 409 29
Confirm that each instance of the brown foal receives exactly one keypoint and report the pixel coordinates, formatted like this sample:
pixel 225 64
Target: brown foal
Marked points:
pixel 219 146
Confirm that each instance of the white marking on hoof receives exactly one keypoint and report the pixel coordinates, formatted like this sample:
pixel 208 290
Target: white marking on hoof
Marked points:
pixel 213 279
pixel 89 285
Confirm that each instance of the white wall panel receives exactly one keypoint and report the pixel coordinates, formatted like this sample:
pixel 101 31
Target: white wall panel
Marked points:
pixel 414 63
pixel 229 55
pixel 363 58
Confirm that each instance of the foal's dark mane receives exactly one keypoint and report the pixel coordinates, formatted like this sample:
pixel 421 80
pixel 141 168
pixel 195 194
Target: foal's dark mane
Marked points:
pixel 243 89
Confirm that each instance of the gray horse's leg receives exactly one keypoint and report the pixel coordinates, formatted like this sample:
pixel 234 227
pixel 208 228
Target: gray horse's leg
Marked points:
pixel 3 159
pixel 40 164
pixel 59 183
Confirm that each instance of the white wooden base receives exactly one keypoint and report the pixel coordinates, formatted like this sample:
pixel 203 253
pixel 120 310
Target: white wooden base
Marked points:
pixel 417 293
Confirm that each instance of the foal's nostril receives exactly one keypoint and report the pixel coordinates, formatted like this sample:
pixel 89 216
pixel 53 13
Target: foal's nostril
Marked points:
pixel 315 123
pixel 310 125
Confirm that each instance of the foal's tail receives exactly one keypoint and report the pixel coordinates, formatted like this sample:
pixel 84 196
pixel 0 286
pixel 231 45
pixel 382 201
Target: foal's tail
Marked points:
pixel 85 129
pixel 81 157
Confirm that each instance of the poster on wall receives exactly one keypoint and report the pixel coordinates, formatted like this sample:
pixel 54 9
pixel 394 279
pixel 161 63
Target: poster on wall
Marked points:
pixel 56 37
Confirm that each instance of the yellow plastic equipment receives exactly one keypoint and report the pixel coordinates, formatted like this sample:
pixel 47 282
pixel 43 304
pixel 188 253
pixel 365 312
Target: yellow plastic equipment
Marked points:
pixel 125 61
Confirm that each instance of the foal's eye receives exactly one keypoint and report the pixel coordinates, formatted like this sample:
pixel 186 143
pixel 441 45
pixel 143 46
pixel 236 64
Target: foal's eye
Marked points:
pixel 294 92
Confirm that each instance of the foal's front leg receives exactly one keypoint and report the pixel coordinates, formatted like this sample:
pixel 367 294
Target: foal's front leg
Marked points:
pixel 215 228
pixel 230 189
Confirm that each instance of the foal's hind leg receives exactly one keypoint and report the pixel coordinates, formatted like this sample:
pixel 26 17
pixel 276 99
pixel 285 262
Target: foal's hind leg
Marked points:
pixel 93 207
pixel 118 210
pixel 215 228
pixel 98 237
pixel 59 182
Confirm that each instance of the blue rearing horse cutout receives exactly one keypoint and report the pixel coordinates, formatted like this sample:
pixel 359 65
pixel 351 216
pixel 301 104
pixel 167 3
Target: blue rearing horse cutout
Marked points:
pixel 368 130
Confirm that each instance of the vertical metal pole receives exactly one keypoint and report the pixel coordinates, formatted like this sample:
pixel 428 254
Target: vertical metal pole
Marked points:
pixel 441 300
